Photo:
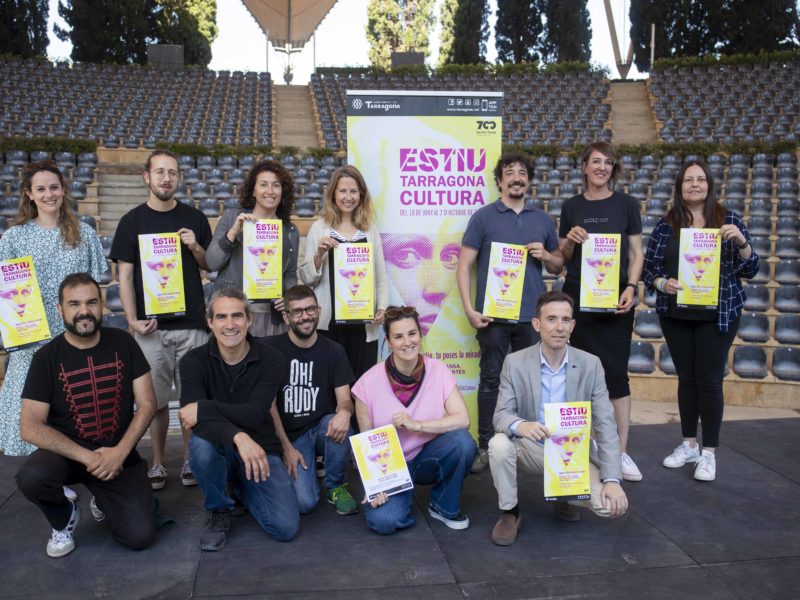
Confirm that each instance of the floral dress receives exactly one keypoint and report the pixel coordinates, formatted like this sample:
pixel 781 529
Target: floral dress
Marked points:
pixel 53 261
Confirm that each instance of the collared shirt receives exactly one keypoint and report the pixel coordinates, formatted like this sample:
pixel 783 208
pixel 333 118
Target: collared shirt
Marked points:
pixel 554 387
pixel 733 268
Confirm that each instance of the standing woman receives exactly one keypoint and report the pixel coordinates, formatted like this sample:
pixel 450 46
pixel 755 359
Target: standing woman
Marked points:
pixel 47 230
pixel 419 396
pixel 267 193
pixel 347 218
pixel 699 339
pixel 599 209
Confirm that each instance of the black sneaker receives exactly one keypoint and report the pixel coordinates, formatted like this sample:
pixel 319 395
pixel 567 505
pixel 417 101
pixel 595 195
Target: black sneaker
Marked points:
pixel 459 522
pixel 217 527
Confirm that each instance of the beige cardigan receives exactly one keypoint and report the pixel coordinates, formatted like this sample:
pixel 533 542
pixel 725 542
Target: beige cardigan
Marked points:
pixel 320 279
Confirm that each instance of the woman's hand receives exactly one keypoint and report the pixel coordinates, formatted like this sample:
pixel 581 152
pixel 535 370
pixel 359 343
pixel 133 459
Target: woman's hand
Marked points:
pixel 381 498
pixel 402 420
pixel 378 317
pixel 731 232
pixel 279 305
pixel 625 301
pixel 238 225
pixel 325 244
pixel 672 286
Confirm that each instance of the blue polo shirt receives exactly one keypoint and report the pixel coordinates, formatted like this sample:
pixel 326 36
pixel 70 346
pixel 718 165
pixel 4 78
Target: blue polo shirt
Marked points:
pixel 498 223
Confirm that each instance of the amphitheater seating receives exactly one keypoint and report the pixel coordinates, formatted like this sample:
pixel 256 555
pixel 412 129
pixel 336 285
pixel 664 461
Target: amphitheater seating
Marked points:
pixel 750 362
pixel 786 363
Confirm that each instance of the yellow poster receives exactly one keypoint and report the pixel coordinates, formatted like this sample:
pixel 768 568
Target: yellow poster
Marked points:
pixel 162 274
pixel 504 281
pixel 698 268
pixel 600 254
pixel 22 317
pixel 263 259
pixel 354 283
pixel 380 461
pixel 566 451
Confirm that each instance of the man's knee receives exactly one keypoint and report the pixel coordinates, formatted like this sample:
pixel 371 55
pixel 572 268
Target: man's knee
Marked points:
pixel 31 478
pixel 285 530
pixel 140 537
pixel 202 452
pixel 382 522
pixel 307 500
pixel 462 443
pixel 501 446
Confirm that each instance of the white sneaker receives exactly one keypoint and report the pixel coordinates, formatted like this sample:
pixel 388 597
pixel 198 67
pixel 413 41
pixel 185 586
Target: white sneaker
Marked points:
pixel 630 472
pixel 70 494
pixel 706 469
pixel 97 514
pixel 61 542
pixel 681 455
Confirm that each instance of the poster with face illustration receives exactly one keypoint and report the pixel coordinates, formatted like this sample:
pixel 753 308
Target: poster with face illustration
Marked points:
pixel 566 451
pixel 353 283
pixel 600 272
pixel 380 461
pixel 22 317
pixel 263 261
pixel 504 282
pixel 162 274
pixel 698 268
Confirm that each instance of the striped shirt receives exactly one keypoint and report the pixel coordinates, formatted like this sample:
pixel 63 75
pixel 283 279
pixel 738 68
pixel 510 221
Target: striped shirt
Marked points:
pixel 732 269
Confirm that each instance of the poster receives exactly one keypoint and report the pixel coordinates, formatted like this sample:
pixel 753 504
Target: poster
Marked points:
pixel 428 160
pixel 698 268
pixel 566 451
pixel 263 259
pixel 380 461
pixel 600 254
pixel 353 283
pixel 504 282
pixel 22 317
pixel 162 275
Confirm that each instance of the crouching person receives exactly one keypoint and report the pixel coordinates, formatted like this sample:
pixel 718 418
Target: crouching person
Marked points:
pixel 78 408
pixel 228 400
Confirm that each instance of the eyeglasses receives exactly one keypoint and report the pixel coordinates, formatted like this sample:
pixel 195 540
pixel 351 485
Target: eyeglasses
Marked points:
pixel 311 311
pixel 395 312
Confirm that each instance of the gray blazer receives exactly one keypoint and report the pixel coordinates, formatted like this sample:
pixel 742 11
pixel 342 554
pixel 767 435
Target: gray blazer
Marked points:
pixel 520 397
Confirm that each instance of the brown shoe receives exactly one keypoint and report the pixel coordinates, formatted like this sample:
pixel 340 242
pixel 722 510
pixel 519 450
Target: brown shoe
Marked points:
pixel 566 512
pixel 505 531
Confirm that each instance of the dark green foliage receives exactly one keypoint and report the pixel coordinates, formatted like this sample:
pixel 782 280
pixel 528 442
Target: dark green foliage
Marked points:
pixel 518 29
pixel 465 29
pixel 23 27
pixel 398 26
pixel 568 31
pixel 190 23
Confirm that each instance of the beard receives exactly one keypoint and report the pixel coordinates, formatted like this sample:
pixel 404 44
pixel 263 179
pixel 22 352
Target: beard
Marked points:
pixel 73 326
pixel 295 327
pixel 163 195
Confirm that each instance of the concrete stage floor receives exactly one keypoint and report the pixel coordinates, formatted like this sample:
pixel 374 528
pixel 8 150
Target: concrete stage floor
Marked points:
pixel 735 538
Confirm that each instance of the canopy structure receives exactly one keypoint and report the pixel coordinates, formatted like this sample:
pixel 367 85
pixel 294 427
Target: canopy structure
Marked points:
pixel 289 24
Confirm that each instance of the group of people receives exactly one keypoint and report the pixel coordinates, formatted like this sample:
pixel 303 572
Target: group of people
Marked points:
pixel 277 384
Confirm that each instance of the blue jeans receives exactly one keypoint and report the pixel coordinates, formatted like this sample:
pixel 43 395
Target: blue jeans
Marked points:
pixel 312 442
pixel 444 463
pixel 494 341
pixel 272 503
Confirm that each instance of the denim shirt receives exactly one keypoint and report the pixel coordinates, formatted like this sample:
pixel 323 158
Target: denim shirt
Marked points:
pixel 733 268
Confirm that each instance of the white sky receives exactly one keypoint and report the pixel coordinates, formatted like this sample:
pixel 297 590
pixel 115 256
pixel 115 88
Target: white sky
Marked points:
pixel 341 40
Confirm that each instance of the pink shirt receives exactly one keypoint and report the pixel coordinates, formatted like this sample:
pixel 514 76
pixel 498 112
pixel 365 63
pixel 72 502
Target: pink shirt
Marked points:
pixel 374 390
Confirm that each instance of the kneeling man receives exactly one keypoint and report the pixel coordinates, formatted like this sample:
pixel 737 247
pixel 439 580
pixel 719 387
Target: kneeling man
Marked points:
pixel 78 409
pixel 228 400
pixel 551 371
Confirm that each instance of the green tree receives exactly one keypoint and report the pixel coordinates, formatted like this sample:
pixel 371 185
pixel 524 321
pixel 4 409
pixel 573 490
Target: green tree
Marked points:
pixel 23 27
pixel 447 18
pixel 518 30
pixel 568 31
pixel 190 23
pixel 766 25
pixel 468 21
pixel 108 30
pixel 398 26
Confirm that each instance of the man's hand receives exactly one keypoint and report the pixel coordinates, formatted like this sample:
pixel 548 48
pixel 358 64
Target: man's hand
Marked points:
pixel 614 499
pixel 188 238
pixel 109 464
pixel 256 466
pixel 577 235
pixel 338 426
pixel 381 498
pixel 291 458
pixel 402 420
pixel 477 320
pixel 625 301
pixel 188 415
pixel 533 430
pixel 537 251
pixel 144 327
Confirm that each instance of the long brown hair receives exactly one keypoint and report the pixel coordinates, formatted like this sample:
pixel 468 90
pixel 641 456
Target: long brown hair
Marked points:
pixel 362 215
pixel 67 221
pixel 247 191
pixel 679 215
pixel 606 150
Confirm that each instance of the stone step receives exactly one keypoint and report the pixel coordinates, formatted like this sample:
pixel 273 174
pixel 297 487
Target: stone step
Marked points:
pixel 121 179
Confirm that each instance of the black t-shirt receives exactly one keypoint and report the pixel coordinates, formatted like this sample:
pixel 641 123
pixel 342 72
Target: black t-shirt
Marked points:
pixel 619 213
pixel 90 392
pixel 145 220
pixel 310 377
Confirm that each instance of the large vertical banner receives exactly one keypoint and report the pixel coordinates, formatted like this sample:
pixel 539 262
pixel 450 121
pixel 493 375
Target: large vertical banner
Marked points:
pixel 428 159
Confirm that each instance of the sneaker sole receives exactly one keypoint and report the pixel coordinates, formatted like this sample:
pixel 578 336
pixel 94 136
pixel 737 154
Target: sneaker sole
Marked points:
pixel 209 548
pixel 159 485
pixel 187 482
pixel 457 525
pixel 702 478
pixel 684 463
pixel 344 514
pixel 632 477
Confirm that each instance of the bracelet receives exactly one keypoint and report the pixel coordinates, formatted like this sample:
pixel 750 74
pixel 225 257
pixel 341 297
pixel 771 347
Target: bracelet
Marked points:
pixel 662 287
pixel 635 286
pixel 743 246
